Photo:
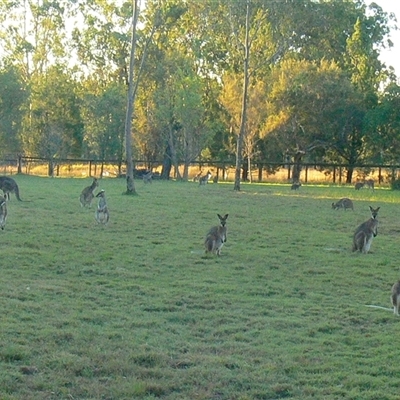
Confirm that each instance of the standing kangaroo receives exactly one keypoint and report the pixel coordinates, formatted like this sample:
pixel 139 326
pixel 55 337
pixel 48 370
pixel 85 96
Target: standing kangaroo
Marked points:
pixel 366 232
pixel 3 212
pixel 395 298
pixel 87 194
pixel 102 215
pixel 216 236
pixel 204 179
pixel 8 185
pixel 370 183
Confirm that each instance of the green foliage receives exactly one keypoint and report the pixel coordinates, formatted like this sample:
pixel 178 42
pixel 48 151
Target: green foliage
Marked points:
pixel 136 310
pixel 395 184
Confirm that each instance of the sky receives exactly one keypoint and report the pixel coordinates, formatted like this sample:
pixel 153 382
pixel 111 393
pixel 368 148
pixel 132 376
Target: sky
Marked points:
pixel 391 57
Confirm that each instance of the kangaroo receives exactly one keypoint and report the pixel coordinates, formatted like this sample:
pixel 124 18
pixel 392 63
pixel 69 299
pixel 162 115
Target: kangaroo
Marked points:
pixel 344 203
pixel 197 176
pixel 147 177
pixel 8 185
pixel 370 183
pixel 395 298
pixel 205 178
pixel 102 215
pixel 216 236
pixel 3 212
pixel 87 194
pixel 365 233
pixel 295 186
pixel 359 185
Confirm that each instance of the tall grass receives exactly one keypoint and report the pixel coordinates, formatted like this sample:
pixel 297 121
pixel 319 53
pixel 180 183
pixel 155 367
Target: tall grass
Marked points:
pixel 135 310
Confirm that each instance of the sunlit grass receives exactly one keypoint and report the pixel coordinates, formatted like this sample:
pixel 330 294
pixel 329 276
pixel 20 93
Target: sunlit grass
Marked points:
pixel 136 310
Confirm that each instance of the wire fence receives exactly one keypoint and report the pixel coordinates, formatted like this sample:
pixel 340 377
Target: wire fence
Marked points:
pixel 220 170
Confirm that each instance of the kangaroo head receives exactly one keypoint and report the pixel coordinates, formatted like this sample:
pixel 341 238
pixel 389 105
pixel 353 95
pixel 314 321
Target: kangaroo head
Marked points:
pixel 101 193
pixel 374 212
pixel 223 219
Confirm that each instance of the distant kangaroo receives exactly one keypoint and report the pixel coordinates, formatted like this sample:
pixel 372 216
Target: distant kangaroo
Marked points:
pixel 344 203
pixel 370 183
pixel 147 177
pixel 295 186
pixel 216 236
pixel 366 232
pixel 359 185
pixel 102 215
pixel 395 298
pixel 8 185
pixel 3 212
pixel 205 178
pixel 87 194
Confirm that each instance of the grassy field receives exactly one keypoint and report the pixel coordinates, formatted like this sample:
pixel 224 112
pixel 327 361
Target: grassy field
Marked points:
pixel 135 310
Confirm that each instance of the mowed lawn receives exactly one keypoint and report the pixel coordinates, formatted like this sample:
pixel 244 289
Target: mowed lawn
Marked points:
pixel 135 310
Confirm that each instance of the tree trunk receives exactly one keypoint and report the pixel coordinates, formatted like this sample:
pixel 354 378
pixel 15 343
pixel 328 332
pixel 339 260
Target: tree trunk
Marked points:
pixel 130 184
pixel 239 146
pixel 297 166
pixel 349 175
pixel 167 164
pixel 249 168
pixel 174 158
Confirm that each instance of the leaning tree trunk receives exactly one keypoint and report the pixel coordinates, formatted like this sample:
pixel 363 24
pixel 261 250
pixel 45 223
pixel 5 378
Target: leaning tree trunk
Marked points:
pixel 240 139
pixel 130 185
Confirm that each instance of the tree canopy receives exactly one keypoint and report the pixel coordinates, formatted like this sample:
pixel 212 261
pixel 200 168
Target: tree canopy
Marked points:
pixel 254 80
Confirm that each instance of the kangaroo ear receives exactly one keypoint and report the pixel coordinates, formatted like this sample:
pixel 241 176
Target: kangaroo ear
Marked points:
pixel 226 216
pixel 219 216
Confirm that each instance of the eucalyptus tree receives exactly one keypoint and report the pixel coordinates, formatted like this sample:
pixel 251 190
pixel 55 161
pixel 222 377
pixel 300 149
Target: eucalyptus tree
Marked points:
pixel 256 113
pixel 313 105
pixel 103 115
pixel 33 34
pixel 53 127
pixel 13 100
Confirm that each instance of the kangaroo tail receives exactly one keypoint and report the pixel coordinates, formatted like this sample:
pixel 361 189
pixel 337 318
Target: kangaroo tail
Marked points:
pixel 17 193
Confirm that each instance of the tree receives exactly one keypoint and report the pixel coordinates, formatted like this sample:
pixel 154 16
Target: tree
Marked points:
pixel 53 127
pixel 104 121
pixel 13 96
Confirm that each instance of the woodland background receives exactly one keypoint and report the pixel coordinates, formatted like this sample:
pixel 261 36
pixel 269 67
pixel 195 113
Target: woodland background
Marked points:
pixel 317 91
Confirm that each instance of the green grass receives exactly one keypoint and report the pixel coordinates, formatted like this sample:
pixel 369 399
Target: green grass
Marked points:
pixel 135 310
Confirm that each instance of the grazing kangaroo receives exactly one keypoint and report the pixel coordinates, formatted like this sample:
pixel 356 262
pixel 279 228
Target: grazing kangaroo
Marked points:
pixel 359 185
pixel 216 236
pixel 3 212
pixel 147 177
pixel 395 298
pixel 295 186
pixel 8 185
pixel 205 178
pixel 344 203
pixel 87 194
pixel 366 232
pixel 370 183
pixel 102 215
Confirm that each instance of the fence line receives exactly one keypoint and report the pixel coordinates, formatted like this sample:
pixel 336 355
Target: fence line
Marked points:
pixel 221 170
